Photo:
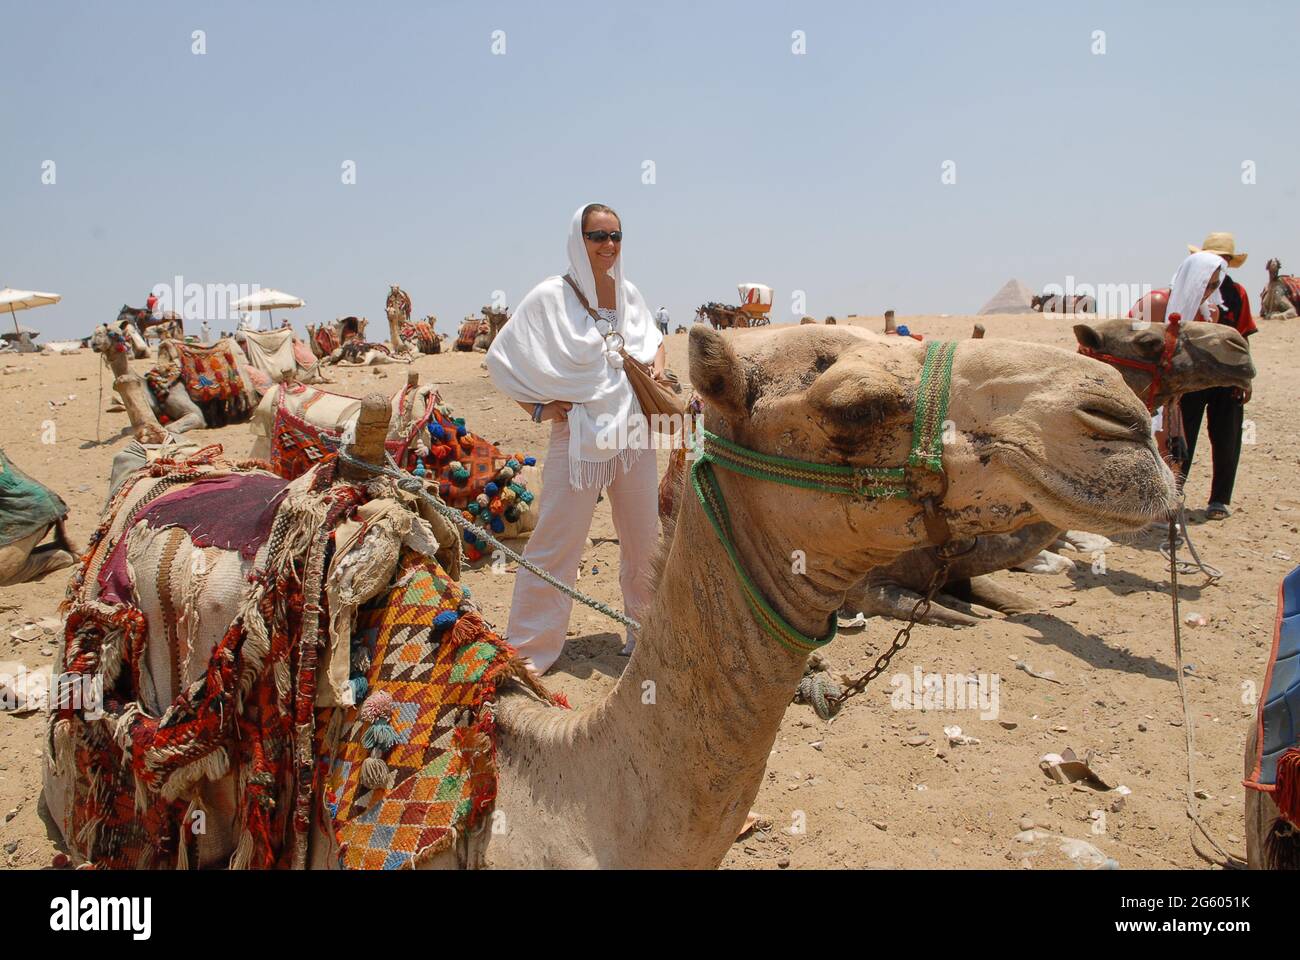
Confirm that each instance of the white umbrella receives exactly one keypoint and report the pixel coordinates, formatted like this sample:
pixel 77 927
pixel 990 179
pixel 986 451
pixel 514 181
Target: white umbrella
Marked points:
pixel 268 300
pixel 25 300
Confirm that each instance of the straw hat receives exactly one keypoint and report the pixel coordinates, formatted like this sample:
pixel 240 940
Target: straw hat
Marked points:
pixel 1224 245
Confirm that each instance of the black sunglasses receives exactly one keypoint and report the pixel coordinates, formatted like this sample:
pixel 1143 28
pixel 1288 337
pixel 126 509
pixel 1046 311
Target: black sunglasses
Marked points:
pixel 600 236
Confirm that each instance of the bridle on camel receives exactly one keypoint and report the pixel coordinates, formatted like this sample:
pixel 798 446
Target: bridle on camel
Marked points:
pixel 1158 370
pixel 921 478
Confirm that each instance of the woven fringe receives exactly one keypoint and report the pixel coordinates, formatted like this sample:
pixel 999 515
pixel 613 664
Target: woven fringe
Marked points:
pixel 517 670
pixel 187 626
pixel 186 832
pixel 585 474
pixel 64 752
pixel 1286 794
pixel 212 766
pixel 243 854
pixel 256 644
pixel 111 656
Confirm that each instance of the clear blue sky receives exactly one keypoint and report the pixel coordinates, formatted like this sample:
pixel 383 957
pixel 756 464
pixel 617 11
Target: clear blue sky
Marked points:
pixel 818 172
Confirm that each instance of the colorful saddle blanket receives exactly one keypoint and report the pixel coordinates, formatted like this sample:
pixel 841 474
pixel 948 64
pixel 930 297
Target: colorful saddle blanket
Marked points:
pixel 416 763
pixel 326 341
pixel 469 331
pixel 26 507
pixel 1277 763
pixel 210 373
pixel 422 334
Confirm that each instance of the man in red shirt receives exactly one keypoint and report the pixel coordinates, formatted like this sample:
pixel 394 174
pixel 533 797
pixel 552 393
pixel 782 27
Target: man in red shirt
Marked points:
pixel 1222 407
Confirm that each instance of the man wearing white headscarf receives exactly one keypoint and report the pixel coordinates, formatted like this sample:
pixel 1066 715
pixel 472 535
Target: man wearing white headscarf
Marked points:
pixel 562 364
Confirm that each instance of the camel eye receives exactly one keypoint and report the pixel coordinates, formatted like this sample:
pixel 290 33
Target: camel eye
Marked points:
pixel 1148 342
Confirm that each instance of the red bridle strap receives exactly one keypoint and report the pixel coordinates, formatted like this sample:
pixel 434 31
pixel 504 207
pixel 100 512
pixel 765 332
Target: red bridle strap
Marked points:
pixel 1156 370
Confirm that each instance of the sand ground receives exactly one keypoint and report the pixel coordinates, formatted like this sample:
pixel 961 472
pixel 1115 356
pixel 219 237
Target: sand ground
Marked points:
pixel 854 792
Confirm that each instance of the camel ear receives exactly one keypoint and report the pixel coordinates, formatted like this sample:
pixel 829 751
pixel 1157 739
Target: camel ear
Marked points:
pixel 716 374
pixel 1087 336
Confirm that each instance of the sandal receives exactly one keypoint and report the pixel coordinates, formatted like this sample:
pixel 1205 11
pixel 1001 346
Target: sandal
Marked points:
pixel 1217 511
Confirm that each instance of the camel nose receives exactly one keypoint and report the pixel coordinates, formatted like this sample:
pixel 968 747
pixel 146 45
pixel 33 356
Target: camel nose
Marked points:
pixel 1114 421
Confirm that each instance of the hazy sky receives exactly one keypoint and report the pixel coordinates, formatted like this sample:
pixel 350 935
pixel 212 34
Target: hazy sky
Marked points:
pixel 818 171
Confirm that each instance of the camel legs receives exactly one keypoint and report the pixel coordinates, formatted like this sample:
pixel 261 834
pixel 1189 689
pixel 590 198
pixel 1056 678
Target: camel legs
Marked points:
pixel 182 412
pixel 896 602
pixel 987 592
pixel 23 561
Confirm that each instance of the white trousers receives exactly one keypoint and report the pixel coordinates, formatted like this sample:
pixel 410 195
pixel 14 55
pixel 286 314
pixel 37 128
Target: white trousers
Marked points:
pixel 539 614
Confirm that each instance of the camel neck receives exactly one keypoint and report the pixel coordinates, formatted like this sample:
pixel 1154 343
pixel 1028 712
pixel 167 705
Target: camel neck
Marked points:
pixel 678 748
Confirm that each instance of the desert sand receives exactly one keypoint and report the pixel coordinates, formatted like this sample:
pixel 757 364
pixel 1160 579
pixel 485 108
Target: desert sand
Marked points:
pixel 855 792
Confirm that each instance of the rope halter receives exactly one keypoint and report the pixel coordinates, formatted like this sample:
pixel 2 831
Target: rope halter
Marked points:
pixel 1158 370
pixel 907 482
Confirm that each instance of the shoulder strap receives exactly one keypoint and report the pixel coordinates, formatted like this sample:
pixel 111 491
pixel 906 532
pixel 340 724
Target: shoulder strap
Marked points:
pixel 581 299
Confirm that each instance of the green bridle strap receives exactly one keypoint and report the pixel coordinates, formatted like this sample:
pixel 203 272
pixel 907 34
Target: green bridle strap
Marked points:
pixel 876 483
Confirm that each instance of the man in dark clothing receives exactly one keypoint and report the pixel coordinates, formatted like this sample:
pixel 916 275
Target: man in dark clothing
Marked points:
pixel 1222 407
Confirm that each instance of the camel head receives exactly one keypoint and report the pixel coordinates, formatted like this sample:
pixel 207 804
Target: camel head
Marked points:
pixel 1274 267
pixel 1205 355
pixel 1033 433
pixel 100 340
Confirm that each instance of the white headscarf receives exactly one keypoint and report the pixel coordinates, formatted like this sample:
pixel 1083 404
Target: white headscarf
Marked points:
pixel 1189 286
pixel 550 349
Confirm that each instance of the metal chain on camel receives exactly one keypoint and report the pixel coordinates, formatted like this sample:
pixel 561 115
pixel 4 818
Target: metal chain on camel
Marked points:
pixel 413 484
pixel 826 697
pixel 1225 859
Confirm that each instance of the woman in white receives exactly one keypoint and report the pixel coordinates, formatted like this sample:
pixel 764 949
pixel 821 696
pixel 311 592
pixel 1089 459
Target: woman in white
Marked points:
pixel 1195 290
pixel 561 364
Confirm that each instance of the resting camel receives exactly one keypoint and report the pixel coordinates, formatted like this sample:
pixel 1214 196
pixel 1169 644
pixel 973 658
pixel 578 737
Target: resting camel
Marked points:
pixel 1281 298
pixel 667 782
pixel 1205 355
pixel 126 328
pixel 28 512
pixel 181 412
pixel 398 309
pixel 331 411
pixel 327 338
pixel 1058 303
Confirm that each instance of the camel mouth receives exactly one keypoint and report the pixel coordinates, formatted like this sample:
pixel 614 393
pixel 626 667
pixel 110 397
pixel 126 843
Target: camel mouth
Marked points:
pixel 1066 500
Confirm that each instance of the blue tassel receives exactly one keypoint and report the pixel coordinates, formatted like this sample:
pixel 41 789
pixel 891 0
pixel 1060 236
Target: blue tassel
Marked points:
pixel 470 538
pixel 903 331
pixel 530 461
pixel 436 430
pixel 380 737
pixel 498 525
pixel 360 687
pixel 491 489
pixel 445 620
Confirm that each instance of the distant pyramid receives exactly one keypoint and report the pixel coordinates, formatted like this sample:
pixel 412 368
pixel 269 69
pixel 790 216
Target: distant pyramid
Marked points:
pixel 1014 297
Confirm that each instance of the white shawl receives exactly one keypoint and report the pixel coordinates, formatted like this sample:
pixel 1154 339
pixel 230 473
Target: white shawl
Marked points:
pixel 1189 286
pixel 550 349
